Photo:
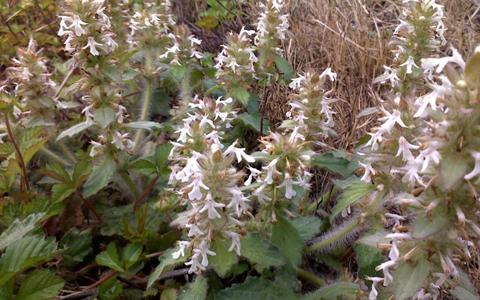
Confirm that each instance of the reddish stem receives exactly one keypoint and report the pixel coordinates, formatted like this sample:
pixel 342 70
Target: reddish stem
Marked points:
pixel 20 157
pixel 144 194
pixel 100 281
pixel 175 228
pixel 86 268
pixel 90 206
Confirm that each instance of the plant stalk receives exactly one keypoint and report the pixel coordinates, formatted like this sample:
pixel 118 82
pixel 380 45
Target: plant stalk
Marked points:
pixel 148 96
pixel 90 206
pixel 17 149
pixel 310 277
pixel 54 156
pixel 337 236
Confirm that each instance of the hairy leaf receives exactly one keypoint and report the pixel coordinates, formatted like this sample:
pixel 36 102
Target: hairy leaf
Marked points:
pixel 333 291
pixel 408 279
pixel 288 241
pixel 224 259
pixel 261 252
pixel 257 288
pixel 351 195
pixel 100 177
pixel 19 229
pixel 109 258
pixel 40 285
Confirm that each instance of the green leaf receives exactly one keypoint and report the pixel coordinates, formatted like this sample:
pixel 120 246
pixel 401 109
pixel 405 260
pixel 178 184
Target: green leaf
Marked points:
pixel 195 291
pixel 81 172
pixel 426 226
pixel 409 279
pixel 178 72
pixel 169 294
pixel 254 120
pixel 367 112
pixel 283 66
pixel 40 285
pixel 147 125
pixel 372 240
pixel 109 258
pixel 333 291
pixel 78 246
pixel 472 71
pixel 74 130
pixel 100 177
pixel 130 74
pixel 253 106
pixel 452 170
pixel 224 259
pixel 242 95
pixel 32 149
pixel 131 253
pixel 351 195
pixel 288 241
pixel 257 288
pixel 167 262
pixel 160 103
pixel 143 166
pixel 368 258
pixel 261 252
pixel 61 173
pixel 113 73
pixel 6 149
pixel 25 253
pixel 110 289
pixel 126 57
pixel 162 153
pixel 19 229
pixel 330 162
pixel 463 294
pixel 104 115
pixel 307 226
pixel 60 192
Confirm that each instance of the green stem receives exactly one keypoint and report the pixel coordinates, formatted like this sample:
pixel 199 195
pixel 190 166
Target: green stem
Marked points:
pixel 310 277
pixel 148 96
pixel 54 156
pixel 67 152
pixel 337 236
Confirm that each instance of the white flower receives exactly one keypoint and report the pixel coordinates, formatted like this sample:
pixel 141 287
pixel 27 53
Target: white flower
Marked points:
pixel 384 267
pixel 430 63
pixel 88 114
pixel 288 184
pixel 238 200
pixel 95 148
pixel 409 64
pixel 196 193
pixel 239 153
pixel 394 254
pixel 107 38
pixel 369 170
pixel 253 173
pixel 195 263
pixel 374 293
pixel 203 251
pixel 235 242
pixel 271 170
pixel 476 169
pixel 180 252
pixel 404 148
pixel 297 82
pixel 391 119
pixel 119 140
pixel 77 24
pixel 92 44
pixel 328 72
pixel 211 205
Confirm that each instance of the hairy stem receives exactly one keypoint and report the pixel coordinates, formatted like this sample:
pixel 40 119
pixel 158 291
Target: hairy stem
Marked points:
pixel 89 206
pixel 310 277
pixel 19 153
pixel 148 96
pixel 336 237
pixel 54 156
pixel 315 204
pixel 67 152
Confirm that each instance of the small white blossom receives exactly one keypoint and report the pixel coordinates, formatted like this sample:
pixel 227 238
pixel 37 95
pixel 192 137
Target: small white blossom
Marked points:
pixel 92 44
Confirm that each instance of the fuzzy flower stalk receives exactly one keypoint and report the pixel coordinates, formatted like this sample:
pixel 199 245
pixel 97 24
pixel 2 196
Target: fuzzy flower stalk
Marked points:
pixel 208 183
pixel 433 176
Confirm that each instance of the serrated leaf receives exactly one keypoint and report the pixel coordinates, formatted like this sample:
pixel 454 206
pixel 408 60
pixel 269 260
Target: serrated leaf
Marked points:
pixel 81 172
pixel 288 241
pixel 368 258
pixel 160 103
pixel 57 172
pixel 6 149
pixel 100 177
pixel 427 226
pixel 224 259
pixel 109 258
pixel 77 244
pixel 333 291
pixel 40 285
pixel 74 130
pixel 162 153
pixel 261 252
pixel 143 166
pixel 409 279
pixel 19 229
pixel 195 291
pixel 351 195
pixel 60 192
pixel 283 66
pixel 257 288
pixel 104 115
pixel 130 74
pixel 242 95
pixel 178 72
pixel 452 170
pixel 254 120
pixel 330 162
pixel 307 226
pixel 113 73
pixel 30 151
pixel 167 262
pixel 148 125
pixel 131 253
pixel 169 294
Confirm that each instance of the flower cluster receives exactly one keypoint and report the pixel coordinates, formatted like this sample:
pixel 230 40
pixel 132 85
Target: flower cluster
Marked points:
pixel 439 162
pixel 183 47
pixel 87 27
pixel 208 181
pixel 419 35
pixel 235 63
pixel 310 108
pixel 272 28
pixel 33 86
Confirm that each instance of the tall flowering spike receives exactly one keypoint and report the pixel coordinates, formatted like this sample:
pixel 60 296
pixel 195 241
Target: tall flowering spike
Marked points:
pixel 310 107
pixel 33 86
pixel 235 63
pixel 427 157
pixel 183 47
pixel 272 27
pixel 208 181
pixel 419 35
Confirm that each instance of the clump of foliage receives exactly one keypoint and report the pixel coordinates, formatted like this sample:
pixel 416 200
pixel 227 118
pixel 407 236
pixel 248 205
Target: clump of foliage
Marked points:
pixel 127 172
